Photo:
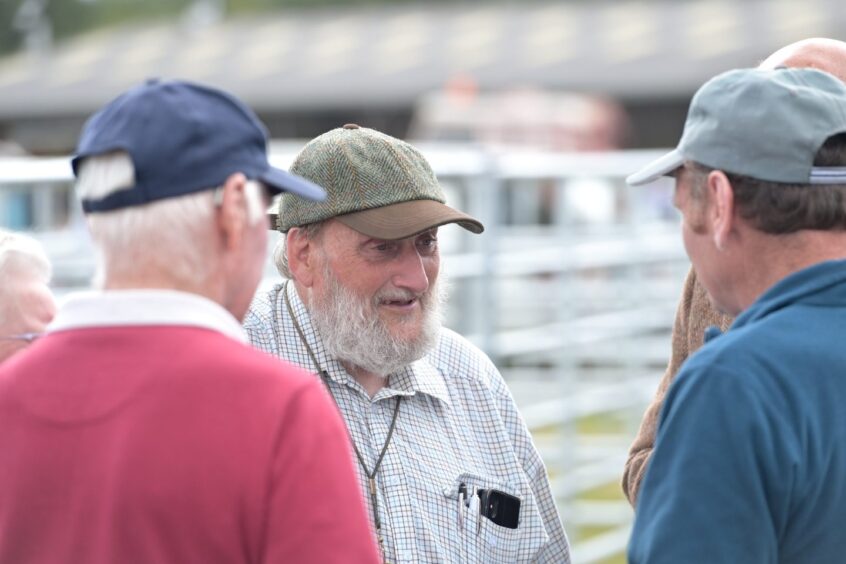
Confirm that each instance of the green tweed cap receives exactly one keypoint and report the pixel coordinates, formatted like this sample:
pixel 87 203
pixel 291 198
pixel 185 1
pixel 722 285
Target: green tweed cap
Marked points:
pixel 376 184
pixel 765 124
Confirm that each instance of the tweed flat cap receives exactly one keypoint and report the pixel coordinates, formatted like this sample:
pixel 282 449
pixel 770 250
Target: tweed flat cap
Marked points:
pixel 376 184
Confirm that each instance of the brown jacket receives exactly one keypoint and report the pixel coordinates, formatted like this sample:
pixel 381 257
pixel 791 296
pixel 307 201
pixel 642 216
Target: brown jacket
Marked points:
pixel 694 314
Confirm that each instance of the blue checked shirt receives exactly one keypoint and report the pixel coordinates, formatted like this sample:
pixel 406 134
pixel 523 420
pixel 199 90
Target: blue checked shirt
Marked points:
pixel 457 424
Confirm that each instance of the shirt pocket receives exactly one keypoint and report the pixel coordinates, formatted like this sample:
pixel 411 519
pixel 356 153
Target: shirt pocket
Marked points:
pixel 482 540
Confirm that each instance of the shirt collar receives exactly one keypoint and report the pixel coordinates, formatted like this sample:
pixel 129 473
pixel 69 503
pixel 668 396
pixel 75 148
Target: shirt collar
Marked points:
pixel 144 307
pixel 810 283
pixel 712 333
pixel 420 376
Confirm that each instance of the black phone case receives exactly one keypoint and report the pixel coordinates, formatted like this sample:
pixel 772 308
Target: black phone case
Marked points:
pixel 501 508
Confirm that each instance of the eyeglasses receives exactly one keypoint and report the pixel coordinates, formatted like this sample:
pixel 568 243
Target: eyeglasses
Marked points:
pixel 27 337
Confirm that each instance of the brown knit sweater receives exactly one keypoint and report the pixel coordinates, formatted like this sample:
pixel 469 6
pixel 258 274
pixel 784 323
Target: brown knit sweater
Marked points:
pixel 694 314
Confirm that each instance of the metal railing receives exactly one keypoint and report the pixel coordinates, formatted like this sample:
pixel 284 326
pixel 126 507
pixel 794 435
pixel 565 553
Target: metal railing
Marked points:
pixel 571 291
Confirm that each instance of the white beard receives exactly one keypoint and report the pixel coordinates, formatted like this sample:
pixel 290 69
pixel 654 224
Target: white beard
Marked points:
pixel 353 331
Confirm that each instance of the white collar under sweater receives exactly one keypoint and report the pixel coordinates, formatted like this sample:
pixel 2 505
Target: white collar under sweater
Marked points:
pixel 144 307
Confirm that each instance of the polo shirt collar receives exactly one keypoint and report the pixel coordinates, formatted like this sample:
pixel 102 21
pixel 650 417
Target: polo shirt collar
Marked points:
pixel 122 308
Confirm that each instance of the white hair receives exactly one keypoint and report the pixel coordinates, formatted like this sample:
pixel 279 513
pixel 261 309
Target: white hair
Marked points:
pixel 172 235
pixel 280 256
pixel 21 252
pixel 353 331
pixel 280 251
pixel 22 259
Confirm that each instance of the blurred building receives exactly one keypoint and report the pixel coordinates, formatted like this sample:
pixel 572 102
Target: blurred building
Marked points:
pixel 519 118
pixel 309 70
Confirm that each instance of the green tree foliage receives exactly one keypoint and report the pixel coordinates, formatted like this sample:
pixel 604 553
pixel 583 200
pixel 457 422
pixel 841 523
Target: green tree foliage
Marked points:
pixel 70 17
pixel 7 38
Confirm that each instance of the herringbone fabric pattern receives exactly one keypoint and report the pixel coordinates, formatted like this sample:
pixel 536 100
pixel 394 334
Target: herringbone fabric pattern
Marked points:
pixel 360 169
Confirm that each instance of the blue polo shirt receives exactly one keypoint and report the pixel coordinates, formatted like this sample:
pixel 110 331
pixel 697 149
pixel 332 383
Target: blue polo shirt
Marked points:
pixel 749 463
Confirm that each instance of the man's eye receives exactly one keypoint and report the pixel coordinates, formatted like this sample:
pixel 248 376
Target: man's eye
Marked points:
pixel 428 242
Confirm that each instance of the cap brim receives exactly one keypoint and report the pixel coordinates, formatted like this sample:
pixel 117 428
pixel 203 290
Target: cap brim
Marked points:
pixel 280 181
pixel 405 219
pixel 656 169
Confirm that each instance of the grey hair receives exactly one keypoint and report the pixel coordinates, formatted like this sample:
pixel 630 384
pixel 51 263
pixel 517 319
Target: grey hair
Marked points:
pixel 22 258
pixel 19 251
pixel 280 251
pixel 173 235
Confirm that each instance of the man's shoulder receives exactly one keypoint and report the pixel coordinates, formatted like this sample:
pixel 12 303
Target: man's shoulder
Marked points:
pixel 727 356
pixel 456 356
pixel 451 347
pixel 263 308
pixel 230 359
pixel 752 363
pixel 779 334
pixel 234 369
pixel 219 354
pixel 262 320
pixel 187 356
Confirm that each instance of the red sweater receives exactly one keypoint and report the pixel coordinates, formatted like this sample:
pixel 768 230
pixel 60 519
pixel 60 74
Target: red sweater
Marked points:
pixel 171 444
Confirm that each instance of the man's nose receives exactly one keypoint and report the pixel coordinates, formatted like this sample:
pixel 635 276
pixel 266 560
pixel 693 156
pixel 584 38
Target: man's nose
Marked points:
pixel 410 273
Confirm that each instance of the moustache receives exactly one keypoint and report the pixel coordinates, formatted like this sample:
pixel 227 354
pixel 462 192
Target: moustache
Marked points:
pixel 398 295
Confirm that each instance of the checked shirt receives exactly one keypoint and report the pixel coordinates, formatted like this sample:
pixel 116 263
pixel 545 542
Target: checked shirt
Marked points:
pixel 458 424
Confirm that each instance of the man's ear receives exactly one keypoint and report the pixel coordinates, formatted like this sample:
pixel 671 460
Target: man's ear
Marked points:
pixel 302 256
pixel 232 212
pixel 721 211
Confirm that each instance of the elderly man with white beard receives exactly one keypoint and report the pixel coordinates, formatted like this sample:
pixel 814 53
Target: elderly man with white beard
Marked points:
pixel 445 460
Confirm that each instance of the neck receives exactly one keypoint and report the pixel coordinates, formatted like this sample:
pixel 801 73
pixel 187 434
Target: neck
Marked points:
pixel 152 280
pixel 370 381
pixel 776 257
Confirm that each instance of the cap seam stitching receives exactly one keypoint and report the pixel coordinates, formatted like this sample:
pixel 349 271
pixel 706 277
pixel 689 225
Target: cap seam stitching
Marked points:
pixel 408 175
pixel 356 184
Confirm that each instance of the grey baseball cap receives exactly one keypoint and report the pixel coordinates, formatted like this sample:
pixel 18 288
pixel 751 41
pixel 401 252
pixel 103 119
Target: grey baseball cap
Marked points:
pixel 765 124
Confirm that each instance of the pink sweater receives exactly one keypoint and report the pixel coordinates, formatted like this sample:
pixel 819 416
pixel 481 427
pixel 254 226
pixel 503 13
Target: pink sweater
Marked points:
pixel 171 444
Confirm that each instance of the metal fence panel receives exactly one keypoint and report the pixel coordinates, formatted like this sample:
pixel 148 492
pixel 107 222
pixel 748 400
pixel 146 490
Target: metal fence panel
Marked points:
pixel 571 291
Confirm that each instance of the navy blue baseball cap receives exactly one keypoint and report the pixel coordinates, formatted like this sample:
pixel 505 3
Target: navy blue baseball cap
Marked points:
pixel 182 138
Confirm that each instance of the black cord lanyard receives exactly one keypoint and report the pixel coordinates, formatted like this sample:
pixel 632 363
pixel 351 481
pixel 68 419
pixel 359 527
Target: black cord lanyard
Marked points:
pixel 371 476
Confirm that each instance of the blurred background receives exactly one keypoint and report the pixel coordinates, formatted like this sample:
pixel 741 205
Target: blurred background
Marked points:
pixel 532 113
